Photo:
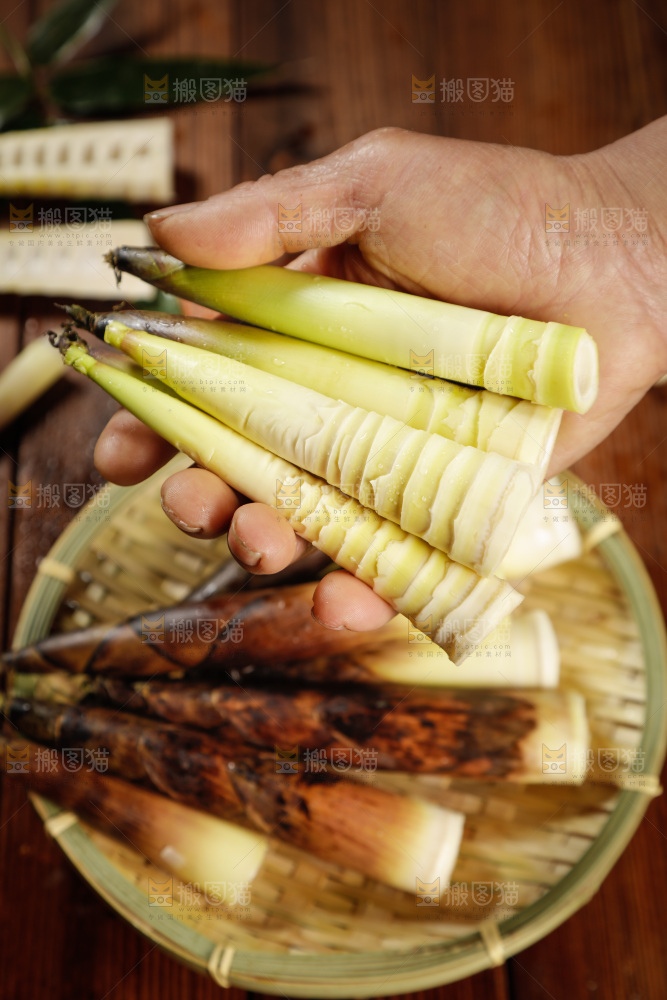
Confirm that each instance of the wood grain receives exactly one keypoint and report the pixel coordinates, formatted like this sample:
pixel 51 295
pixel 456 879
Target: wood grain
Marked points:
pixel 584 75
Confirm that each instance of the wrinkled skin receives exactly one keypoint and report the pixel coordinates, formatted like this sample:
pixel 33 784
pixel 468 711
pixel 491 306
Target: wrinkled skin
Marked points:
pixel 461 221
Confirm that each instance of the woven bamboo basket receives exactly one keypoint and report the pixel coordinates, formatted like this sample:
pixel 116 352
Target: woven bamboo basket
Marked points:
pixel 312 929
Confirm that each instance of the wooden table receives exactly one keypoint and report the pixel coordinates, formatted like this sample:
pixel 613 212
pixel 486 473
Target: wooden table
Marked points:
pixel 583 76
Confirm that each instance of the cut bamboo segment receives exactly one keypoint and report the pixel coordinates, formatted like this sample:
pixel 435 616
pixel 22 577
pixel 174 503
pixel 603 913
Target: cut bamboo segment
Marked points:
pixel 61 262
pixel 123 160
pixel 26 378
pixel 549 363
pixel 187 843
pixel 518 429
pixel 463 501
pixel 452 604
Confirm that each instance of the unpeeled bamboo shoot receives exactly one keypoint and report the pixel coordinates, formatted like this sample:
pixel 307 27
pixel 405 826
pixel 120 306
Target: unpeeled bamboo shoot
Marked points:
pixel 400 838
pixel 186 842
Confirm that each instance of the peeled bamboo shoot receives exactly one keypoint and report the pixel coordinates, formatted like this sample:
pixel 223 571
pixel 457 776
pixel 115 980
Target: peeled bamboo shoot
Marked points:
pixel 453 604
pixel 464 501
pixel 516 428
pixel 549 363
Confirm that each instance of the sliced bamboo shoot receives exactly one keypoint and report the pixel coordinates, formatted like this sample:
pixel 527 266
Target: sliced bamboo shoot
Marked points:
pixel 125 160
pixel 52 264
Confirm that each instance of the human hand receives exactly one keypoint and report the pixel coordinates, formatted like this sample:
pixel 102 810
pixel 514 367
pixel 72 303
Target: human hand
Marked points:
pixel 460 221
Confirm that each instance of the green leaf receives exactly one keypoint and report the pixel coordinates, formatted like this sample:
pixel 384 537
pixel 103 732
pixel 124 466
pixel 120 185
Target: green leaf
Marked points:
pixel 64 28
pixel 15 92
pixel 14 50
pixel 116 85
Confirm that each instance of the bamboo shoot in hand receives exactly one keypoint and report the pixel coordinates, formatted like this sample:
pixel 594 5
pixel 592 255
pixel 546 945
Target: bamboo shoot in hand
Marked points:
pixel 549 363
pixel 516 428
pixel 462 500
pixel 456 606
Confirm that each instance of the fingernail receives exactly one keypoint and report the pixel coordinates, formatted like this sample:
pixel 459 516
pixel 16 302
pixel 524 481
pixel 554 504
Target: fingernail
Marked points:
pixel 248 555
pixel 183 525
pixel 333 628
pixel 164 213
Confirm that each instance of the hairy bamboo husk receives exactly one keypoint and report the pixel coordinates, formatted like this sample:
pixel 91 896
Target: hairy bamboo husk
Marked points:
pixel 400 839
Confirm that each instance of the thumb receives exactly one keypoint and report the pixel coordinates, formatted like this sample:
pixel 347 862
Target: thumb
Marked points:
pixel 258 221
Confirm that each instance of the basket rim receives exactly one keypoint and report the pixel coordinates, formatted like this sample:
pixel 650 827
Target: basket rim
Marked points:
pixel 378 973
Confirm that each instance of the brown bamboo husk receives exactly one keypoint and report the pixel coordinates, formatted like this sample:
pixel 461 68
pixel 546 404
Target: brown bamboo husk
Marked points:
pixel 303 908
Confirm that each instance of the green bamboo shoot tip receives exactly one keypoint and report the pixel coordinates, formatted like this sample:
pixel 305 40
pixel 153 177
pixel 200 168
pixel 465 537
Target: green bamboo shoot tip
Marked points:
pixel 550 363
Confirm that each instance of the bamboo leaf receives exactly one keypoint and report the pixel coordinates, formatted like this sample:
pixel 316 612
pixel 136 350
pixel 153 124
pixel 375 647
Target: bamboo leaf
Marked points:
pixel 113 85
pixel 64 28
pixel 15 92
pixel 14 50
